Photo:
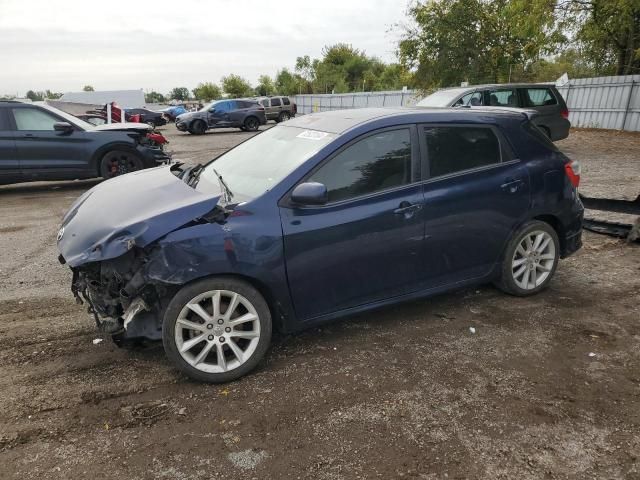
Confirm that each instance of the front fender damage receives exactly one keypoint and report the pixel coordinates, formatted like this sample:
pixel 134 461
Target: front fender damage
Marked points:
pixel 128 295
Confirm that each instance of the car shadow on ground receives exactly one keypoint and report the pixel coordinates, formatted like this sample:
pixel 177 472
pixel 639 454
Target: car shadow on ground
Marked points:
pixel 40 187
pixel 227 131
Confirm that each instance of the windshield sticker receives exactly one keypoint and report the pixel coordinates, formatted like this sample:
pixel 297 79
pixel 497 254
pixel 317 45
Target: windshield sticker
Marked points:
pixel 312 135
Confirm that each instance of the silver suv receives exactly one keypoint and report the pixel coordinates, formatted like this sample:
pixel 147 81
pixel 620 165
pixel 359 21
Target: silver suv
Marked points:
pixel 279 109
pixel 552 112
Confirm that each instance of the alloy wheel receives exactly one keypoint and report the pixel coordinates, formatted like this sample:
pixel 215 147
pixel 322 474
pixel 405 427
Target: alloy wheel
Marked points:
pixel 217 331
pixel 533 260
pixel 119 163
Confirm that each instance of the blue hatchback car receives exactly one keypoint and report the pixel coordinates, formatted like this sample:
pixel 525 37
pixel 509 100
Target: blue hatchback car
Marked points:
pixel 318 218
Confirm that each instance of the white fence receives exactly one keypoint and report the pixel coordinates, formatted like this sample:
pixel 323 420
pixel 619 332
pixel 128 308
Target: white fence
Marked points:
pixel 340 101
pixel 604 102
pixel 600 102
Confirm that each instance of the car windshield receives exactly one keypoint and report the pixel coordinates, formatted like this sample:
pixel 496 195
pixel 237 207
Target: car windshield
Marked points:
pixel 208 106
pixel 68 117
pixel 442 98
pixel 255 166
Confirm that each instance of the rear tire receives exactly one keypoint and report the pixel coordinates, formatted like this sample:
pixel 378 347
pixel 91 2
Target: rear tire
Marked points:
pixel 530 259
pixel 283 117
pixel 119 162
pixel 198 128
pixel 228 347
pixel 251 124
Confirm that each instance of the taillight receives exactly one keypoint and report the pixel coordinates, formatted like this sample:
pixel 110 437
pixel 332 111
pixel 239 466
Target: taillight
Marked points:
pixel 572 169
pixel 260 107
pixel 565 113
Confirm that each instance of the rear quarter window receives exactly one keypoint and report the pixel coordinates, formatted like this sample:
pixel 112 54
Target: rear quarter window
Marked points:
pixel 456 149
pixel 286 101
pixel 540 136
pixel 539 97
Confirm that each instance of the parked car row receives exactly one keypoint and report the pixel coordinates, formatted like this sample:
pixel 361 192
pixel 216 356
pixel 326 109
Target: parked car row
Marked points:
pixel 244 113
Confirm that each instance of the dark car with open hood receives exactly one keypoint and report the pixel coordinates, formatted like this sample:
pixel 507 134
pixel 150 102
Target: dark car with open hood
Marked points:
pixel 40 142
pixel 318 218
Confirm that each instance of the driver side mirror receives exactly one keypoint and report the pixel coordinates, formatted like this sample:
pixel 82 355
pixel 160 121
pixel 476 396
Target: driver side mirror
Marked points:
pixel 310 193
pixel 63 127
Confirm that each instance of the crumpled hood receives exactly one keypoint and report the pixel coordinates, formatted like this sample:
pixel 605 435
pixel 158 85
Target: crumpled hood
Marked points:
pixel 132 210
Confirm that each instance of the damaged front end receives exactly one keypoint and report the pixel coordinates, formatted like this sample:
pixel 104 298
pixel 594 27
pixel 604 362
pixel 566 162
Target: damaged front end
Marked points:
pixel 107 239
pixel 116 292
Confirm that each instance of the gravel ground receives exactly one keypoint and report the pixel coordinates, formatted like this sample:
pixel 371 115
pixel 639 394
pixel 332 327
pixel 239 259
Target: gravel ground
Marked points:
pixel 546 387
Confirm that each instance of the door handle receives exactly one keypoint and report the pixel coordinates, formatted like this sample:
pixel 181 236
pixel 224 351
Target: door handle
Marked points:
pixel 407 208
pixel 511 185
pixel 28 135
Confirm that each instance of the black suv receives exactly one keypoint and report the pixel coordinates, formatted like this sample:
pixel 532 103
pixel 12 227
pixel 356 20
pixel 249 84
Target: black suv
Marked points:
pixel 39 142
pixel 246 115
pixel 552 112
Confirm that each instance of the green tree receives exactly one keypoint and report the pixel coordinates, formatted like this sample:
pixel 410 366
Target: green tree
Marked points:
pixel 207 91
pixel 34 96
pixel 52 95
pixel 608 30
pixel 179 93
pixel 236 86
pixel 287 83
pixel 87 88
pixel 265 86
pixel 476 40
pixel 154 97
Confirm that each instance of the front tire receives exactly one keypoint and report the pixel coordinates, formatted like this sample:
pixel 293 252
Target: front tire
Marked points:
pixel 217 329
pixel 198 128
pixel 530 259
pixel 251 124
pixel 119 162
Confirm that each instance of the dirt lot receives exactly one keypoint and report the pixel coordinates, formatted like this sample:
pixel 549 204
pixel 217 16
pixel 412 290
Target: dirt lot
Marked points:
pixel 547 387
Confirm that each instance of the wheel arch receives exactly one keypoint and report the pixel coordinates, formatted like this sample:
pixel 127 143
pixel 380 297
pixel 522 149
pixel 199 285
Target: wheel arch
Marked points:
pixel 103 150
pixel 555 223
pixel 277 314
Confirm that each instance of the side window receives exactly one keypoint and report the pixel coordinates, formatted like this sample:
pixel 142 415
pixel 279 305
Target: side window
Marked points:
pixel 286 101
pixel 33 119
pixel 275 102
pixel 503 98
pixel 454 149
pixel 538 97
pixel 232 105
pixel 222 107
pixel 265 102
pixel 473 99
pixel 377 162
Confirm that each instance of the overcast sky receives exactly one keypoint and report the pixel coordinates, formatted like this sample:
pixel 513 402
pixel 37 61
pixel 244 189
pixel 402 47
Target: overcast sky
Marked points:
pixel 158 45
